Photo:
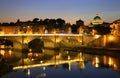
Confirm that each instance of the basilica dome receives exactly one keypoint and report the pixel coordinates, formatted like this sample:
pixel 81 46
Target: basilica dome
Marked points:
pixel 97 20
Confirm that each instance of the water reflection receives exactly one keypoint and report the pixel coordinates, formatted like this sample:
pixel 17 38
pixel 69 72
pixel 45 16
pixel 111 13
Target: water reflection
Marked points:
pixel 66 57
pixel 106 61
pixel 96 61
pixel 64 60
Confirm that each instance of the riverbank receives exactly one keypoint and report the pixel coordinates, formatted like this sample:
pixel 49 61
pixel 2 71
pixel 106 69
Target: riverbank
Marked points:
pixel 5 68
pixel 95 50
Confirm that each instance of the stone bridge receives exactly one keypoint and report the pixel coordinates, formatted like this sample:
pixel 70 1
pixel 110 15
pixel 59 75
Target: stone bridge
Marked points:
pixel 50 40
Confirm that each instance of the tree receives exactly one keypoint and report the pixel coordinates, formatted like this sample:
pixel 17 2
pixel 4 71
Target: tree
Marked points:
pixel 102 30
pixel 60 23
pixel 5 24
pixel 74 28
pixel 35 20
pixel 51 25
pixel 80 23
pixel 46 21
pixel 12 24
pixel 41 22
pixel 35 25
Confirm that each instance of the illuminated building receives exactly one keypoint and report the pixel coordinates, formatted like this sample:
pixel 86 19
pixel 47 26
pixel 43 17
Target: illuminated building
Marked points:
pixel 97 20
pixel 9 29
pixel 115 28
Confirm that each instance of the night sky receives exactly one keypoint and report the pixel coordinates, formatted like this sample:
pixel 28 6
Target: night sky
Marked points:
pixel 69 10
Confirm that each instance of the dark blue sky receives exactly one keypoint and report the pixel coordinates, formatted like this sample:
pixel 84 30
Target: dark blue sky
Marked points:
pixel 70 10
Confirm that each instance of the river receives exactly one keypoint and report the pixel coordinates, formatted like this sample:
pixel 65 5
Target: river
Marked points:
pixel 66 64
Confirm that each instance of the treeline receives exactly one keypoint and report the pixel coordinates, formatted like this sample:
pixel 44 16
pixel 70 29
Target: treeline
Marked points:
pixel 59 25
pixel 50 24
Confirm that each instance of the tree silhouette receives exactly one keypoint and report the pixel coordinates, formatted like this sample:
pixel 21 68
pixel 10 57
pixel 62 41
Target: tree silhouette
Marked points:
pixel 46 21
pixel 74 28
pixel 35 25
pixel 80 23
pixel 35 20
pixel 51 25
pixel 60 23
pixel 102 30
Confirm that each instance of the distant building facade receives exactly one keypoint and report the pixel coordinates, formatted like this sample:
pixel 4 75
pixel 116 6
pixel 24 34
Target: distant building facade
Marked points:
pixel 115 28
pixel 9 29
pixel 97 20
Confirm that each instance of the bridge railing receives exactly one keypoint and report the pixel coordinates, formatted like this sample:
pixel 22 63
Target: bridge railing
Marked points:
pixel 41 34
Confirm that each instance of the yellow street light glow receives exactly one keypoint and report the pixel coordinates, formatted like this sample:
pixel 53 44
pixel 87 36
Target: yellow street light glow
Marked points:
pixel 10 52
pixel 2 52
pixel 41 34
pixel 97 36
pixel 111 38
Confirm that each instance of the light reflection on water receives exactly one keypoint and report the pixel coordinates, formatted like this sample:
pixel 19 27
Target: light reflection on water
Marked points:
pixel 65 64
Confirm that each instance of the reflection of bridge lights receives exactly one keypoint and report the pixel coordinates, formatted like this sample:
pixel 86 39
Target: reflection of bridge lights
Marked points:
pixel 2 52
pixel 44 64
pixel 10 52
pixel 96 62
pixel 28 73
pixel 115 66
pixel 69 66
pixel 44 68
pixel 82 64
pixel 96 65
pixel 105 59
pixel 81 57
pixel 110 61
pixel 68 57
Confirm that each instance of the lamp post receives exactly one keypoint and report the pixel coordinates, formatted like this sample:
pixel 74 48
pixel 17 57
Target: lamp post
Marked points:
pixel 22 50
pixel 82 40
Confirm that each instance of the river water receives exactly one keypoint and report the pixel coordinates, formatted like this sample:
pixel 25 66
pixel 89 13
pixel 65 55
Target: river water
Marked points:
pixel 66 64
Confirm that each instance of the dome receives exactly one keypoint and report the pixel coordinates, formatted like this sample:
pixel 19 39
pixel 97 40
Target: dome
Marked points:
pixel 97 20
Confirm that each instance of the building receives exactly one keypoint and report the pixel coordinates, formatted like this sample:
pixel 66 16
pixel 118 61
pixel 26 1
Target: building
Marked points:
pixel 97 20
pixel 9 29
pixel 115 28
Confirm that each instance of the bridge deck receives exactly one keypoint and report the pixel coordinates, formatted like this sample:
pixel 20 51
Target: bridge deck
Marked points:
pixel 41 35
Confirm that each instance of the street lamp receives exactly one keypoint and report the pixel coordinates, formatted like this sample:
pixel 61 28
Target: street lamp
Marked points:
pixel 111 38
